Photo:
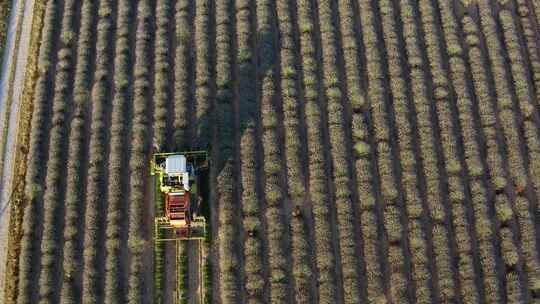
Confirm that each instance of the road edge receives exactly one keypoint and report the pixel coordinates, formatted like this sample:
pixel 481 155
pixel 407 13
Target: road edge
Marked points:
pixel 8 290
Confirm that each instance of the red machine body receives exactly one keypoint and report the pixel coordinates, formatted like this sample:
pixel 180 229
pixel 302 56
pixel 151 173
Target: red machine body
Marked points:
pixel 177 209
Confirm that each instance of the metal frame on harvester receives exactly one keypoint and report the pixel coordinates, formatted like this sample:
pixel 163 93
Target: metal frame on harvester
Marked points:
pixel 197 232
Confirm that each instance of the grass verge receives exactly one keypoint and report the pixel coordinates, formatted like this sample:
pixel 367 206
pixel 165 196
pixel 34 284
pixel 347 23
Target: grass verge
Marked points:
pixel 23 137
pixel 11 76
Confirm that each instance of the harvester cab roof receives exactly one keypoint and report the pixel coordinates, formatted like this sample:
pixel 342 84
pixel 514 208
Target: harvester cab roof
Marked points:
pixel 177 173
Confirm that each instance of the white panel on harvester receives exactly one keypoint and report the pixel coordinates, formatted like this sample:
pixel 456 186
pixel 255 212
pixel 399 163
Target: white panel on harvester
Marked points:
pixel 185 180
pixel 175 164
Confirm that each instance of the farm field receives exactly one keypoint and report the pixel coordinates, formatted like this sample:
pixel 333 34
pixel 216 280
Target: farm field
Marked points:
pixel 361 151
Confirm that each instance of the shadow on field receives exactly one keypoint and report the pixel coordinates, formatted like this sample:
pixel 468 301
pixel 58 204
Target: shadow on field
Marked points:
pixel 222 116
pixel 237 109
pixel 225 121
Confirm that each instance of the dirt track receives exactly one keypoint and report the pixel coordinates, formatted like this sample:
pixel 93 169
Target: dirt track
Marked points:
pixel 14 61
pixel 193 273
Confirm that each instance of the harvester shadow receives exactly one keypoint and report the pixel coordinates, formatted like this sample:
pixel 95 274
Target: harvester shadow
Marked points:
pixel 234 110
pixel 237 110
pixel 250 68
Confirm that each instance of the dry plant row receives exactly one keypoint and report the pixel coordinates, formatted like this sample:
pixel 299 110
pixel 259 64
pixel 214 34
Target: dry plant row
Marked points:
pixel 342 180
pixel 75 181
pixel 37 156
pixel 54 194
pixel 395 255
pixel 318 188
pixel 293 123
pixel 274 188
pixel 256 281
pixel 229 257
pixel 363 152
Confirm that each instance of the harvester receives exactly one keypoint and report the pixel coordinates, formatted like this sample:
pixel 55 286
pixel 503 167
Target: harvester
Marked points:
pixel 179 200
pixel 179 176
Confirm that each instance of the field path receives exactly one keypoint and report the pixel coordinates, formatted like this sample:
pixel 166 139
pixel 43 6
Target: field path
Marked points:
pixel 19 62
pixel 194 296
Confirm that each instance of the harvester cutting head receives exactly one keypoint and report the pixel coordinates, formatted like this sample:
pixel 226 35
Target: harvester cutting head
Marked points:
pixel 178 201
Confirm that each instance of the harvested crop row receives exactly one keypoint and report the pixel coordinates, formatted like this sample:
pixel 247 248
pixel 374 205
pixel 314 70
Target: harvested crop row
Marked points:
pixel 466 117
pixel 203 70
pixel 293 121
pixel 337 123
pixel 409 179
pixel 507 114
pixel 524 93
pixel 172 128
pixel 486 111
pixel 116 226
pixel 53 222
pixel 530 34
pixel 163 91
pixel 363 149
pixel 228 259
pixel 76 165
pixel 183 30
pixel 518 90
pixel 255 266
pixel 92 291
pixel 274 188
pixel 230 282
pixel 318 188
pixel 399 285
pixel 163 82
pixel 484 230
pixel 360 151
pixel 454 108
pixel 464 107
pixel 39 138
pixel 141 134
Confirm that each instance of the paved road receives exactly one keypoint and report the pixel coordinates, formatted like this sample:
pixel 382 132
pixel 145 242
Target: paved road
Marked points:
pixel 9 60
